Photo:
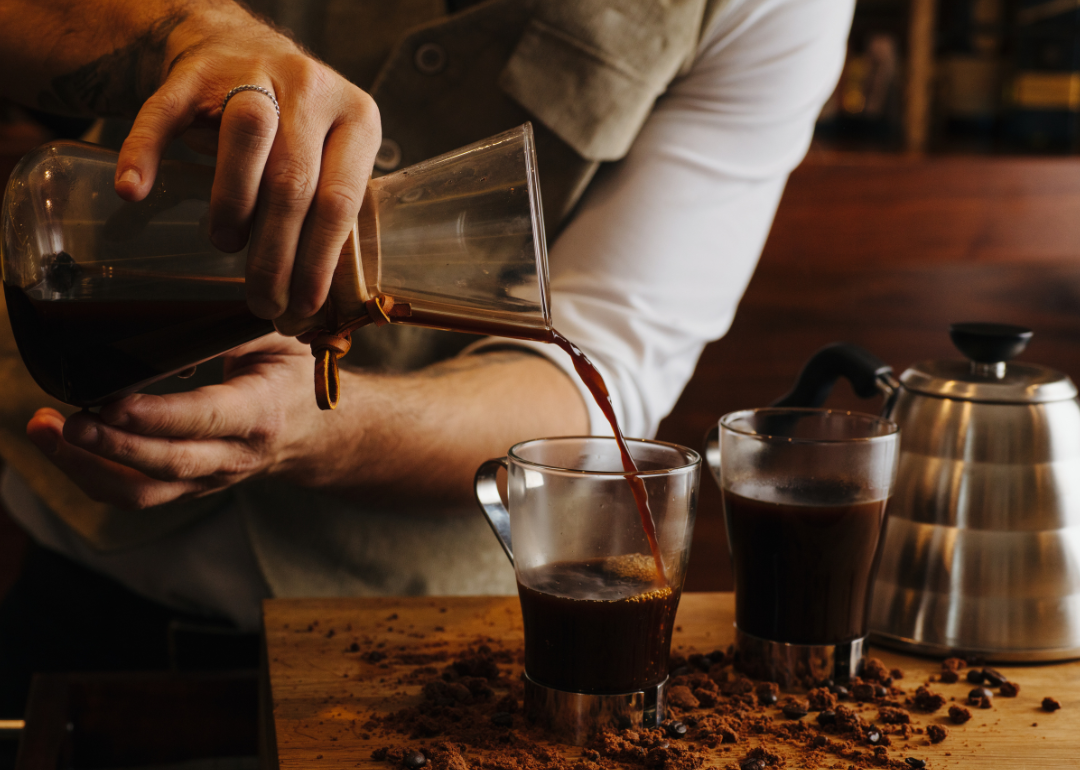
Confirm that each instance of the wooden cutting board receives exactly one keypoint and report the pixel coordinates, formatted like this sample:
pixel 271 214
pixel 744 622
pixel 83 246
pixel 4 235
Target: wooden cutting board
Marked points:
pixel 325 684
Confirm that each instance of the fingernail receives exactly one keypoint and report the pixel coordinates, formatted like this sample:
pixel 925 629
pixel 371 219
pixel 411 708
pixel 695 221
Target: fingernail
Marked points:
pixel 226 238
pixel 131 177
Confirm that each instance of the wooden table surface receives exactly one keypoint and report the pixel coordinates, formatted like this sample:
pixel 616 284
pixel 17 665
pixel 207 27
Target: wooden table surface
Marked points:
pixel 325 685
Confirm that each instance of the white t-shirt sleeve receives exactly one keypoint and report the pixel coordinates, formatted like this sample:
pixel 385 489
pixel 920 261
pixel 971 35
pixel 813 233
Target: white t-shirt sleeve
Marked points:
pixel 663 244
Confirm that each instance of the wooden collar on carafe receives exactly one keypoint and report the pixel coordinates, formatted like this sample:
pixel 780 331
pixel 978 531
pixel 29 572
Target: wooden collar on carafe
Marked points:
pixel 328 347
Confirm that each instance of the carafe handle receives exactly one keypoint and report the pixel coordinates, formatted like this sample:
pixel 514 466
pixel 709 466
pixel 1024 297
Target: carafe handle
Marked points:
pixel 867 374
pixel 487 495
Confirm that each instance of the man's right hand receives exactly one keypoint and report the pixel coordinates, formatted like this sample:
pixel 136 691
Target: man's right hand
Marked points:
pixel 295 183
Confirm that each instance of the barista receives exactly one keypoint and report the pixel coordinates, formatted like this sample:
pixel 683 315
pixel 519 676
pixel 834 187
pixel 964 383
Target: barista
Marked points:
pixel 202 503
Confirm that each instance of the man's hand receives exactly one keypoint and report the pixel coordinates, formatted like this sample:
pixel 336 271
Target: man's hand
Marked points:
pixel 147 450
pixel 416 437
pixel 294 184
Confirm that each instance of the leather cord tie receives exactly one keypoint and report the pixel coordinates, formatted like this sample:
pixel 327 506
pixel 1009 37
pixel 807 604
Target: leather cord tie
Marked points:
pixel 328 346
pixel 379 308
pixel 327 349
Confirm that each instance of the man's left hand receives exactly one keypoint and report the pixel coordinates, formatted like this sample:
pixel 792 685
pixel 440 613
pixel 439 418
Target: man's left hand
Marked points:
pixel 146 450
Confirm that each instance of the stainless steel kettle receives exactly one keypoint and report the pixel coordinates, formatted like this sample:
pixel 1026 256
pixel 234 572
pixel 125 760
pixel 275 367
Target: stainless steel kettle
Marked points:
pixel 982 547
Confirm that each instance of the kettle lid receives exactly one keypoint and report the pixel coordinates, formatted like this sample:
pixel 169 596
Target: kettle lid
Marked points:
pixel 987 375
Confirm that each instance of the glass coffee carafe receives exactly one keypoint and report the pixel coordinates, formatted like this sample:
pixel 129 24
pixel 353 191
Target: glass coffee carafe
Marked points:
pixel 106 296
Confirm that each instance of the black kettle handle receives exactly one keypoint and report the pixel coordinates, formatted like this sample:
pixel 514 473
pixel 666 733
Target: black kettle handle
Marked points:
pixel 867 373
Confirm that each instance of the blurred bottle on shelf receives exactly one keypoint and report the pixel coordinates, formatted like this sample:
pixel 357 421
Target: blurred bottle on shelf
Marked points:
pixel 1042 92
pixel 864 112
pixel 969 52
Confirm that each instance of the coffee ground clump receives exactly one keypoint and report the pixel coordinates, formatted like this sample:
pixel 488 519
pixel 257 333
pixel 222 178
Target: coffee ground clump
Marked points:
pixel 1050 704
pixel 1009 689
pixel 937 733
pixel 820 699
pixel 959 714
pixel 891 715
pixel 927 700
pixel 875 671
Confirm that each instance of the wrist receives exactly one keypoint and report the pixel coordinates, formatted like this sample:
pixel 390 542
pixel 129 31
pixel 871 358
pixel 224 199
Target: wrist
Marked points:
pixel 326 449
pixel 204 22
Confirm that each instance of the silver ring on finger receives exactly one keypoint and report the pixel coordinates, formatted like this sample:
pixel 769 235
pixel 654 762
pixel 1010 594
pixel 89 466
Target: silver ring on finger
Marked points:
pixel 264 91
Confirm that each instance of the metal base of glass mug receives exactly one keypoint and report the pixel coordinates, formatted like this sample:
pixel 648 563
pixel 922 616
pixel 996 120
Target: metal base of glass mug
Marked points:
pixel 794 665
pixel 574 717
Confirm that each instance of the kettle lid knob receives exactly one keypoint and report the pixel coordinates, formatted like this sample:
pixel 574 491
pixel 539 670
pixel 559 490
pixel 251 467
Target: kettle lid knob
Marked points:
pixel 988 343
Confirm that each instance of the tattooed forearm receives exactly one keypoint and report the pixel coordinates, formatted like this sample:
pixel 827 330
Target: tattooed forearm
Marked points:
pixel 117 83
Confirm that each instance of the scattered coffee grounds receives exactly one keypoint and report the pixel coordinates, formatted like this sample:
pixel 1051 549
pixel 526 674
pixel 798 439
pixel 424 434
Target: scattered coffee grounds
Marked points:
pixel 959 714
pixel 821 699
pixel 875 670
pixel 760 758
pixel 468 714
pixel 896 673
pixel 893 716
pixel 949 676
pixel 682 697
pixel 1050 704
pixel 927 700
pixel 953 664
pixel 937 733
pixel 863 692
pixel 1009 689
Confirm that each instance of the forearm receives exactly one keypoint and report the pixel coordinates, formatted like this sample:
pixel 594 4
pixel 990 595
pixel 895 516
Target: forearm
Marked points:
pixel 104 57
pixel 421 435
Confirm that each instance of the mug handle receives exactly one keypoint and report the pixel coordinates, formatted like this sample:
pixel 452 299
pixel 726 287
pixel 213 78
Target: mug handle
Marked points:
pixel 712 451
pixel 487 495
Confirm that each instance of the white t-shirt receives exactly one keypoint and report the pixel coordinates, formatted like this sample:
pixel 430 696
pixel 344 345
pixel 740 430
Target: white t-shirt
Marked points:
pixel 650 269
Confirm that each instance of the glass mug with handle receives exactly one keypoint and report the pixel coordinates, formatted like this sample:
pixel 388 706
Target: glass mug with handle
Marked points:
pixel 598 615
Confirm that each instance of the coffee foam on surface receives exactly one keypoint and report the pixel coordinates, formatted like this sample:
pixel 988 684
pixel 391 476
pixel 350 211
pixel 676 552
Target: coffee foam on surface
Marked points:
pixel 632 566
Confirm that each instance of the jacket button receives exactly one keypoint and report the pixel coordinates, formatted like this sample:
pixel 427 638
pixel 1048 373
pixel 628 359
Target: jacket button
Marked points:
pixel 389 155
pixel 430 58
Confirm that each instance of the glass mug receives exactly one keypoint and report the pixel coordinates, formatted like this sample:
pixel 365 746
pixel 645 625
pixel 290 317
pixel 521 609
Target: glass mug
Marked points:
pixel 805 494
pixel 598 615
